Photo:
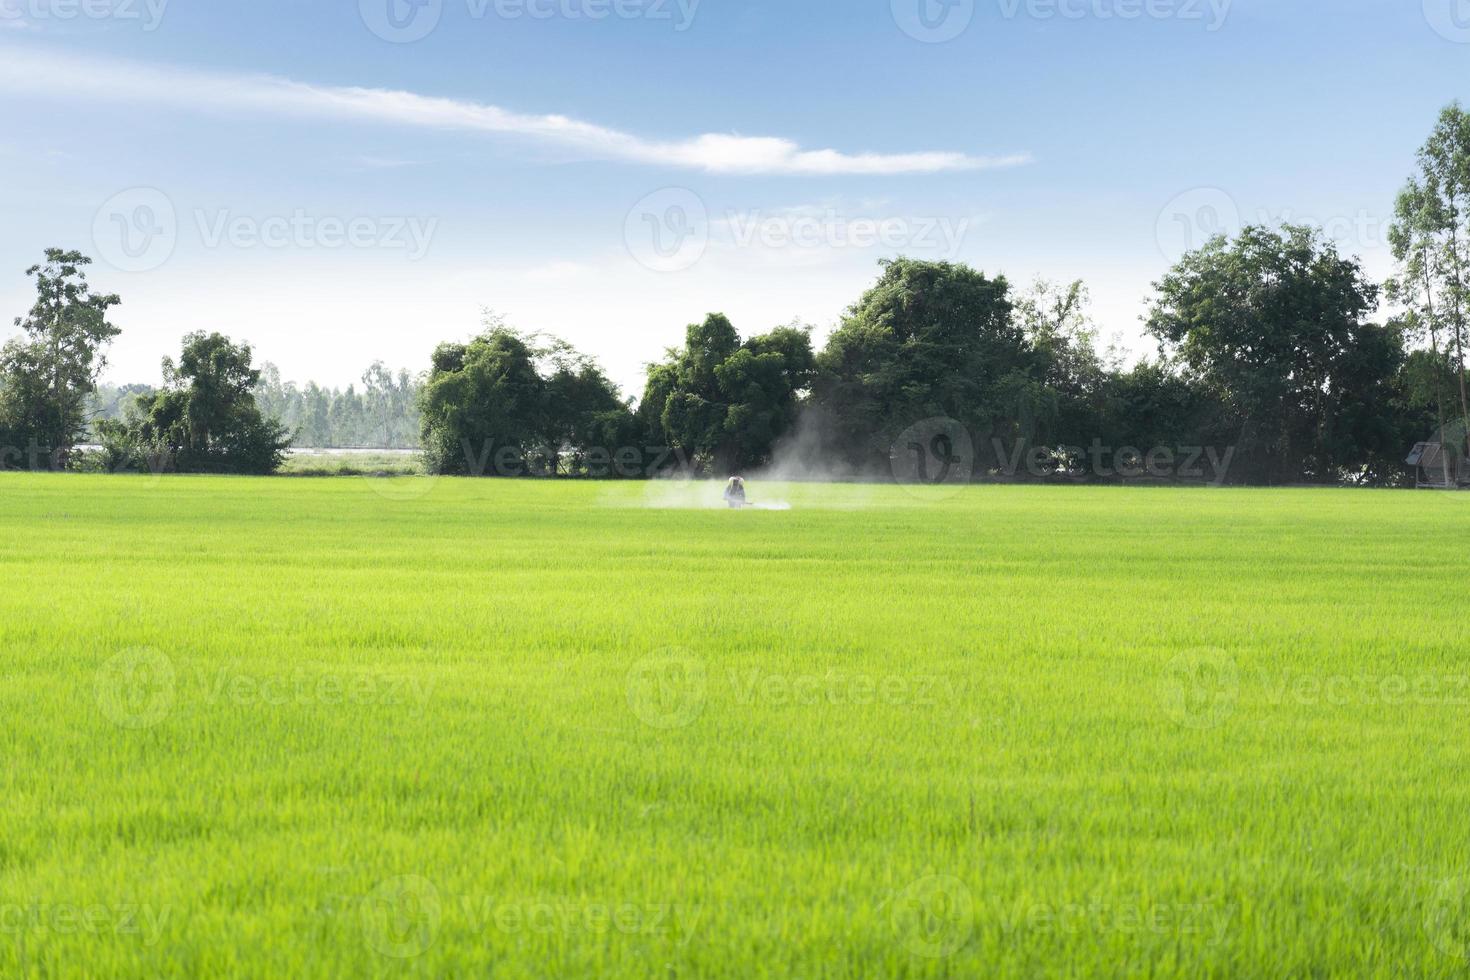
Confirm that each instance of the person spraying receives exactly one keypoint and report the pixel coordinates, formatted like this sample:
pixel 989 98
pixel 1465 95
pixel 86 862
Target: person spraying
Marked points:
pixel 735 493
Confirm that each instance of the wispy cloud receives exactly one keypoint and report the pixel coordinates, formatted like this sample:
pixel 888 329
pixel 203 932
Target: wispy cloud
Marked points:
pixel 48 74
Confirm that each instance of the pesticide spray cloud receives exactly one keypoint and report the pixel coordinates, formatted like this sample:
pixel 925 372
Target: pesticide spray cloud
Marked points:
pixel 686 493
pixel 804 465
pixel 802 475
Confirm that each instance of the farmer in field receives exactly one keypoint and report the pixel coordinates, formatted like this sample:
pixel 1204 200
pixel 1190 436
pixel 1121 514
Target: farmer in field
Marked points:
pixel 735 493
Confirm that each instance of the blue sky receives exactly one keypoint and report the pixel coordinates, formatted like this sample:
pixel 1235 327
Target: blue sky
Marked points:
pixel 336 190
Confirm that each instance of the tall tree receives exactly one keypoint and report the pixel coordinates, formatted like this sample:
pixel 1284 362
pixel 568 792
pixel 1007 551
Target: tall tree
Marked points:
pixel 930 339
pixel 511 404
pixel 1273 325
pixel 1413 237
pixel 380 402
pixel 762 384
pixel 585 411
pixel 1447 157
pixel 1059 329
pixel 726 403
pixel 47 375
pixel 1431 241
pixel 482 398
pixel 695 410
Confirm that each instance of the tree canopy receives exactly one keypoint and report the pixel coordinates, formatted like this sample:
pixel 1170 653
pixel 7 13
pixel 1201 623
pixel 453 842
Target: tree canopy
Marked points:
pixel 1273 325
pixel 510 404
pixel 1430 237
pixel 48 374
pixel 203 420
pixel 725 403
pixel 930 339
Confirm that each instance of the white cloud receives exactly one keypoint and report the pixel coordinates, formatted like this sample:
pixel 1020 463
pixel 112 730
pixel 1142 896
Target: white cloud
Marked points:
pixel 52 75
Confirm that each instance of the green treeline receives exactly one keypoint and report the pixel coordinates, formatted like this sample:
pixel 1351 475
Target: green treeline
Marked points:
pixel 1273 367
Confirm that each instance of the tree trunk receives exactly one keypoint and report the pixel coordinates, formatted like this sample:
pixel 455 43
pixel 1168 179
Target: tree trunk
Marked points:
pixel 61 434
pixel 1459 293
pixel 1434 348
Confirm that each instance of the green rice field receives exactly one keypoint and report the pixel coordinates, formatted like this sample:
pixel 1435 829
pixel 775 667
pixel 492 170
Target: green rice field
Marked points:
pixel 449 728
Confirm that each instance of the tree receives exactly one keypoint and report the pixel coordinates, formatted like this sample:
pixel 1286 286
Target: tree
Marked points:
pixel 1149 405
pixel 482 398
pixel 762 383
pixel 694 411
pixel 930 339
pixel 347 418
pixel 112 401
pixel 1444 164
pixel 725 404
pixel 383 414
pixel 1430 237
pixel 1413 239
pixel 585 411
pixel 1073 375
pixel 387 404
pixel 512 404
pixel 316 416
pixel 1273 326
pixel 47 376
pixel 204 419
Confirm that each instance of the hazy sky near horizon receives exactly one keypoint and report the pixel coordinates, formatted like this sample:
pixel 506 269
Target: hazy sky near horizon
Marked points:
pixel 353 181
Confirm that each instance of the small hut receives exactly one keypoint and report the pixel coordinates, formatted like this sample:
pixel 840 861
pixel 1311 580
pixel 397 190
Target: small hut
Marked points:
pixel 1442 463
